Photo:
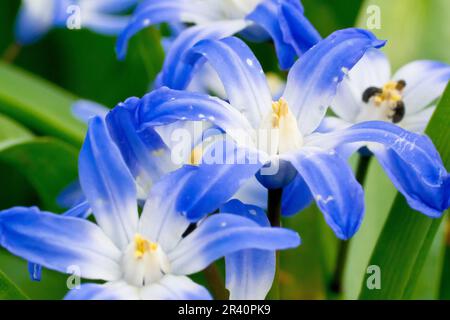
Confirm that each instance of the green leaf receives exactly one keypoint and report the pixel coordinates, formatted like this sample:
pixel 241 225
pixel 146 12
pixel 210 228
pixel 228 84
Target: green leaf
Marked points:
pixel 8 290
pixel 47 163
pixel 415 29
pixel 39 105
pixel 407 236
pixel 305 272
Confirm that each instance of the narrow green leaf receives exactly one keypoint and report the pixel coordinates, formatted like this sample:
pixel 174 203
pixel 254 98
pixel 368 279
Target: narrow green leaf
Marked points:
pixel 39 105
pixel 48 164
pixel 8 290
pixel 407 236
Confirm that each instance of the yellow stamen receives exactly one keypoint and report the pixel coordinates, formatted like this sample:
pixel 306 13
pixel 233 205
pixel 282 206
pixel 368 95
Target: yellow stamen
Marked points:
pixel 391 92
pixel 196 155
pixel 142 246
pixel 280 109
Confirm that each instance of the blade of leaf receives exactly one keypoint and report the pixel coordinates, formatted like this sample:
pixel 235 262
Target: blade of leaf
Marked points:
pixel 407 236
pixel 39 105
pixel 48 164
pixel 8 290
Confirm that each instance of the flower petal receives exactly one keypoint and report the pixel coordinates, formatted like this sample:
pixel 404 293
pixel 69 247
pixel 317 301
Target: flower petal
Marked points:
pixel 373 70
pixel 296 197
pixel 411 161
pixel 176 73
pixel 172 287
pixel 108 184
pixel 165 106
pixel 249 273
pixel 35 18
pixel 222 234
pixel 153 12
pixel 418 122
pixel 108 291
pixel 59 243
pixel 144 152
pixel 267 17
pixel 212 184
pixel 425 82
pixel 297 29
pixel 85 109
pixel 160 220
pixel 313 80
pixel 241 74
pixel 334 188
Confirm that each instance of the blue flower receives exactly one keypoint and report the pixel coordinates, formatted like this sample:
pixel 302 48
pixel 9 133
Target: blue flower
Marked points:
pixel 144 256
pixel 37 17
pixel 281 20
pixel 407 99
pixel 310 88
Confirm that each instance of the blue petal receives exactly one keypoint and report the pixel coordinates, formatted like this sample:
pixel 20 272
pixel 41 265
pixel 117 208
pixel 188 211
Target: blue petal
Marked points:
pixel 172 287
pixel 107 291
pixel 313 79
pixel 296 197
pixel 58 242
pixel 223 234
pixel 428 199
pixel 150 13
pixel 35 271
pixel 267 16
pixel 71 195
pixel 85 109
pixel 108 185
pixel 160 220
pixel 297 29
pixel 33 22
pixel 241 74
pixel 213 184
pixel 144 152
pixel 165 106
pixel 411 161
pixel 249 273
pixel 176 73
pixel 332 183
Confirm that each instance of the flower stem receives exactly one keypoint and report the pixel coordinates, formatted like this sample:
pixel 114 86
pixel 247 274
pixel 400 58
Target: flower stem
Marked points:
pixel 274 215
pixel 336 284
pixel 11 53
pixel 215 282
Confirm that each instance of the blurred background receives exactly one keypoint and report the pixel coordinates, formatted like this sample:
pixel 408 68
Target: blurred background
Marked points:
pixel 38 155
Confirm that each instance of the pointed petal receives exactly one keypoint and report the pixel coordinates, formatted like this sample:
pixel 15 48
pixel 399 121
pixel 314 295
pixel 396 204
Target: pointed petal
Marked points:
pixel 241 74
pixel 425 82
pixel 267 17
pixel 176 72
pixel 249 273
pixel 313 80
pixel 58 242
pixel 108 184
pixel 165 106
pixel 108 291
pixel 85 109
pixel 223 234
pixel 411 161
pixel 373 70
pixel 175 288
pixel 297 29
pixel 334 188
pixel 296 197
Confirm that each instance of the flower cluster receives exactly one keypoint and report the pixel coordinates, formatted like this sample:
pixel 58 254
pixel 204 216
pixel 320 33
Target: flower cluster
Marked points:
pixel 143 221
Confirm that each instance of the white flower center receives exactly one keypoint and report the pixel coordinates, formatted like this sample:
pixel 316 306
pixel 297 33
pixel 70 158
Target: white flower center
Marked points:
pixel 225 9
pixel 279 130
pixel 144 262
pixel 385 104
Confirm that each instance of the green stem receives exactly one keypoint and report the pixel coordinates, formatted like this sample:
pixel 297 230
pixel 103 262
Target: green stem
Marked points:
pixel 215 282
pixel 274 215
pixel 336 284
